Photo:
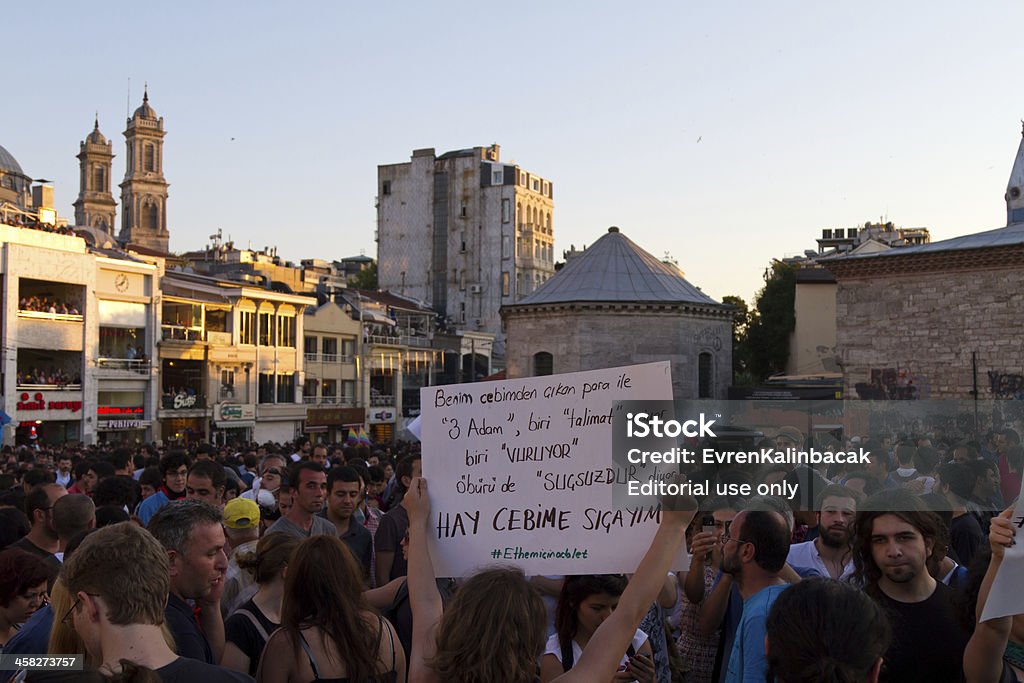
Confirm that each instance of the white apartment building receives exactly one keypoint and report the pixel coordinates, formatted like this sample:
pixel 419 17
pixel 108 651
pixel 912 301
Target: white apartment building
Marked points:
pixel 464 233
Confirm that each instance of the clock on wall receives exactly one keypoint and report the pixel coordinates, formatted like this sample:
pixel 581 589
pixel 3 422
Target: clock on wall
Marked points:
pixel 121 282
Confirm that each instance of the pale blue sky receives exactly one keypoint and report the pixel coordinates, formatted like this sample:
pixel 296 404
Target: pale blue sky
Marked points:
pixel 725 133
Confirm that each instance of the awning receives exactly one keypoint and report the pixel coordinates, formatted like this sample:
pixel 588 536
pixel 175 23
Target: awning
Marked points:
pixel 236 424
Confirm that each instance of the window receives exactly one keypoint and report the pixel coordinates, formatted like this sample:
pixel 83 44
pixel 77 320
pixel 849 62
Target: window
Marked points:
pixel 497 178
pixel 385 187
pixel 543 364
pixel 348 348
pixel 227 383
pixel 505 283
pixel 247 327
pixel 506 210
pixel 216 320
pixel 462 211
pixel 330 349
pixel 266 329
pixel 309 347
pixel 705 375
pixel 536 185
pixel 150 157
pixel 330 388
pixel 309 388
pixel 152 216
pixel 348 390
pixel 101 179
pixel 266 388
pixel 285 331
pixel 286 388
pixel 506 246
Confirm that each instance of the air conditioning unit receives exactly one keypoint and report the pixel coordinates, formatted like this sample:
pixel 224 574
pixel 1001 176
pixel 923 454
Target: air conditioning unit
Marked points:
pixel 476 289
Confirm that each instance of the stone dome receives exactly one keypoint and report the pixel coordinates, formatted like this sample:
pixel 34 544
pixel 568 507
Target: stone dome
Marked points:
pixel 96 137
pixel 8 163
pixel 145 111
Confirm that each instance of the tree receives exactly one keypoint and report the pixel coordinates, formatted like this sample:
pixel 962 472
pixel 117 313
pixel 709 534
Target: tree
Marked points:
pixel 772 323
pixel 366 278
pixel 740 343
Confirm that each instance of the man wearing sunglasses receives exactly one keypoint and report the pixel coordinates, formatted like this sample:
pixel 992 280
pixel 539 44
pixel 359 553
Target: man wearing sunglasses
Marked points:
pixel 174 468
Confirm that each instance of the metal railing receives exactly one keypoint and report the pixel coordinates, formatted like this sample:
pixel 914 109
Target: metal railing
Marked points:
pixel 49 387
pixel 180 333
pixel 59 317
pixel 382 400
pixel 310 356
pixel 136 365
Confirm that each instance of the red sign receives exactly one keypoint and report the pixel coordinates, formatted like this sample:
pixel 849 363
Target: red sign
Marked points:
pixel 119 410
pixel 37 403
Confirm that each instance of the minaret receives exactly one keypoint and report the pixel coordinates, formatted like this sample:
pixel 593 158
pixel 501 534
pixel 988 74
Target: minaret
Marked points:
pixel 144 190
pixel 1015 188
pixel 95 206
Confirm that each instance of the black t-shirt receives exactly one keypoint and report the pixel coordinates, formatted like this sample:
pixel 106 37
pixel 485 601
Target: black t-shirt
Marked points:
pixel 389 537
pixel 240 630
pixel 928 640
pixel 185 670
pixel 191 642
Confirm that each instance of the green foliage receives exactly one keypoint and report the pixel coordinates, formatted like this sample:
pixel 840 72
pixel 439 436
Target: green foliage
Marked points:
pixel 740 347
pixel 772 322
pixel 366 278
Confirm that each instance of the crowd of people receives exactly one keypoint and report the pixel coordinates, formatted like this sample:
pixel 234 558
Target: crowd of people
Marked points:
pixel 23 220
pixel 310 562
pixel 47 304
pixel 47 376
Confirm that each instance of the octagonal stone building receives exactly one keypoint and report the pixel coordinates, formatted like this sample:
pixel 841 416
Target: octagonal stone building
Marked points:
pixel 615 304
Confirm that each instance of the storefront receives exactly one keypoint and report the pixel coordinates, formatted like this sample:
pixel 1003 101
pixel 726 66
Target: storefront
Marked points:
pixel 183 429
pixel 382 424
pixel 233 423
pixel 331 425
pixel 121 417
pixel 50 417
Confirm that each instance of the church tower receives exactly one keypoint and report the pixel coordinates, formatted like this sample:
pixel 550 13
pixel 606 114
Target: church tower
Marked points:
pixel 144 190
pixel 1015 187
pixel 95 206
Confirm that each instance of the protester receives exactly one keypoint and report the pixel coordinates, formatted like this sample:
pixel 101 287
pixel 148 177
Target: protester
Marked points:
pixel 825 631
pixel 191 532
pixel 174 473
pixel 389 564
pixel 24 581
pixel 42 539
pixel 242 533
pixel 586 601
pixel 831 553
pixel 345 493
pixel 896 538
pixel 249 627
pixel 205 482
pixel 761 544
pixel 327 630
pixel 480 639
pixel 121 619
pixel 302 520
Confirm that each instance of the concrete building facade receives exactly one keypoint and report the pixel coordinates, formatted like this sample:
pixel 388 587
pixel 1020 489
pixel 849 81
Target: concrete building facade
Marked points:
pixel 464 233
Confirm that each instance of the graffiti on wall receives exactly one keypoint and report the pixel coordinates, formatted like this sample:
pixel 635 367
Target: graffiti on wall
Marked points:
pixel 1006 384
pixel 891 384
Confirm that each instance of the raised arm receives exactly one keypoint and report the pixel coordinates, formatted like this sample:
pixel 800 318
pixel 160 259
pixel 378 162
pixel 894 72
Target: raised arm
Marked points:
pixel 983 658
pixel 601 657
pixel 424 599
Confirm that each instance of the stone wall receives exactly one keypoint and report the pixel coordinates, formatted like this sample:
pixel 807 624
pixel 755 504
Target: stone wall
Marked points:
pixel 590 338
pixel 899 332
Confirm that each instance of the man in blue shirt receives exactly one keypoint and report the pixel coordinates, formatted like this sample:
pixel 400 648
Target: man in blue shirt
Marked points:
pixel 754 552
pixel 174 468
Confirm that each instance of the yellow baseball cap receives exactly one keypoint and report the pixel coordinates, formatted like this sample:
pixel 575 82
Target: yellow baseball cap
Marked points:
pixel 241 513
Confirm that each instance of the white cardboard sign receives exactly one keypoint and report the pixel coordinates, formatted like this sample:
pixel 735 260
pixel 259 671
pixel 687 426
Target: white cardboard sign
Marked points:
pixel 1006 597
pixel 521 472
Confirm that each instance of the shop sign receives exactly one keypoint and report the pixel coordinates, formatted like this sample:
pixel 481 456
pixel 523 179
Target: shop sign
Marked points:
pixel 380 415
pixel 122 424
pixel 237 411
pixel 120 410
pixel 38 403
pixel 334 417
pixel 184 400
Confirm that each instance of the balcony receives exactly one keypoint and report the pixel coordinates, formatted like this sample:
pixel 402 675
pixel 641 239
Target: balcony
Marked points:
pixel 420 342
pixel 348 359
pixel 132 365
pixel 329 358
pixel 343 401
pixel 48 387
pixel 179 333
pixel 382 400
pixel 59 317
pixel 40 330
pixel 310 356
pixel 383 340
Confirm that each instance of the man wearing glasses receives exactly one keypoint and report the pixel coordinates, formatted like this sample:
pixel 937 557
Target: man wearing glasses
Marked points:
pixel 174 468
pixel 754 552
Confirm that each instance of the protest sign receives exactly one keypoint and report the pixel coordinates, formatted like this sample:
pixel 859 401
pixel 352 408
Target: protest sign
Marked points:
pixel 521 472
pixel 1006 597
